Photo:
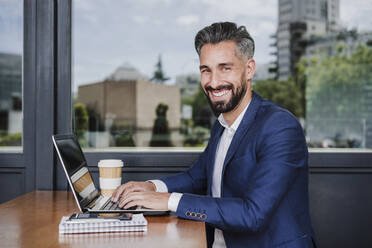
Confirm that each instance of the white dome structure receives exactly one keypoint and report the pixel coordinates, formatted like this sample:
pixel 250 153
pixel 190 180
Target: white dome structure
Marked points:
pixel 127 72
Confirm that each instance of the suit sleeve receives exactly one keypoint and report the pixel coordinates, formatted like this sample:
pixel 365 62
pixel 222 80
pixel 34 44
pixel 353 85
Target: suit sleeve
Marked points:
pixel 281 154
pixel 194 180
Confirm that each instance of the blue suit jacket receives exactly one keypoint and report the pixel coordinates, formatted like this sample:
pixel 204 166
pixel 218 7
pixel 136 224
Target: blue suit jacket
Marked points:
pixel 264 190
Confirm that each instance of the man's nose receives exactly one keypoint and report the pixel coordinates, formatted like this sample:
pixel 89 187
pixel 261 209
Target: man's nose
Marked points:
pixel 215 80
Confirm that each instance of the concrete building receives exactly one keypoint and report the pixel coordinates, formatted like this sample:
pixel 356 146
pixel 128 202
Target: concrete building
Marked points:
pixel 299 20
pixel 344 42
pixel 127 72
pixel 263 72
pixel 129 105
pixel 189 84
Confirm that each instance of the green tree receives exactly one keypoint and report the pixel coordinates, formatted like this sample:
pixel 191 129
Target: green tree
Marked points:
pixel 122 135
pixel 300 81
pixel 81 122
pixel 337 85
pixel 201 111
pixel 11 139
pixel 124 139
pixel 338 96
pixel 198 137
pixel 160 131
pixel 285 93
pixel 159 75
pixel 96 123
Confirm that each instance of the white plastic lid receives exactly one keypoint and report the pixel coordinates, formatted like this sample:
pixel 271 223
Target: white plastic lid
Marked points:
pixel 110 163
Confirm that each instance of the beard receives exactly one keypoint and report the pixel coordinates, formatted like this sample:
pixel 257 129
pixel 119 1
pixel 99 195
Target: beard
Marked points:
pixel 224 107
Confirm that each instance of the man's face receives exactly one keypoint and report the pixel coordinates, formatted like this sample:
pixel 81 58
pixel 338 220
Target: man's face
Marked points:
pixel 224 76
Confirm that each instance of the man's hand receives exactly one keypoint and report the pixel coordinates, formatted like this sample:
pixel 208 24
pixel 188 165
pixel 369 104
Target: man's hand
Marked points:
pixel 123 190
pixel 148 199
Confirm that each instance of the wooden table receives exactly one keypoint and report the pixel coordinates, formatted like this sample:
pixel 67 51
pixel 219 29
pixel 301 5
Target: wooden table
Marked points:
pixel 32 221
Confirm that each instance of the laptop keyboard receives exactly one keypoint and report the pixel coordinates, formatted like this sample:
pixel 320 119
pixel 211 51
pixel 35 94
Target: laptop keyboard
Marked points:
pixel 114 206
pixel 111 206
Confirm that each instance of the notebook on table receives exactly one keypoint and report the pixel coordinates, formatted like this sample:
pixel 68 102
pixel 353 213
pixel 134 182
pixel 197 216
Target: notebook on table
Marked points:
pixel 136 224
pixel 86 194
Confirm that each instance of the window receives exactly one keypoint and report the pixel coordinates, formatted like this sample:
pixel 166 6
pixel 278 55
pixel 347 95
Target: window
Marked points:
pixel 136 80
pixel 11 51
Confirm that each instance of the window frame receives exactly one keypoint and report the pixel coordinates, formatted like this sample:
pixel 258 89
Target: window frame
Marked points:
pixel 319 160
pixel 47 110
pixel 23 162
pixel 163 161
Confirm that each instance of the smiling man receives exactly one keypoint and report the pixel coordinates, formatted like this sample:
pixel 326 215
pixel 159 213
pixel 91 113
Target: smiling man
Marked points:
pixel 224 74
pixel 250 185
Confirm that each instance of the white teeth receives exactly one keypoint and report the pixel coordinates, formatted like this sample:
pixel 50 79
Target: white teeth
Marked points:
pixel 220 93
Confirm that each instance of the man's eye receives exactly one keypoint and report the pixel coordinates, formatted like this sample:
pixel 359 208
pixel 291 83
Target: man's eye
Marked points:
pixel 226 68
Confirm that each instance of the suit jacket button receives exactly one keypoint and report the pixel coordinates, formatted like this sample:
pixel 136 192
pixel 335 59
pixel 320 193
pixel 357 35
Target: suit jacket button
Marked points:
pixel 198 215
pixel 193 214
pixel 188 213
pixel 203 216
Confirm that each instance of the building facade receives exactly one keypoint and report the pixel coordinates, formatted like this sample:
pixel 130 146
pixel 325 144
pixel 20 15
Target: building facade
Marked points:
pixel 189 84
pixel 307 18
pixel 262 72
pixel 120 105
pixel 337 43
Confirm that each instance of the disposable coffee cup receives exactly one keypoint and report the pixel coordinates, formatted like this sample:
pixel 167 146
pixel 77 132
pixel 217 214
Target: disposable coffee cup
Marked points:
pixel 83 182
pixel 109 175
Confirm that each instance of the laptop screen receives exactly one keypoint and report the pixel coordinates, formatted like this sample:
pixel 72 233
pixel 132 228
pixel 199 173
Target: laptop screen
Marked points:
pixel 72 157
pixel 76 169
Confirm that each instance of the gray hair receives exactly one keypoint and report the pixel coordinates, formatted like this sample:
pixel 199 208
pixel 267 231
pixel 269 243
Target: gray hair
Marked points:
pixel 226 31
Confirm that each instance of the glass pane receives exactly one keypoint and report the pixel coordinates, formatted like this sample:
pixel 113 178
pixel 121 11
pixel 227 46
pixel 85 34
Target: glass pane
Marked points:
pixel 11 51
pixel 136 72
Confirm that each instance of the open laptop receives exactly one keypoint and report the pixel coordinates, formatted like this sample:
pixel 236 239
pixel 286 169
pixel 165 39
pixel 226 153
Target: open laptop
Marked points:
pixel 87 195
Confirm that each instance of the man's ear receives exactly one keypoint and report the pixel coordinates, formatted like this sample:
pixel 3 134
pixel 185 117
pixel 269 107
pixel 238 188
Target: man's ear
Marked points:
pixel 250 68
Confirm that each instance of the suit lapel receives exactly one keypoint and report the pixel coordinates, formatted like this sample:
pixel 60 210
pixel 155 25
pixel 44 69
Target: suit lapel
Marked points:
pixel 244 126
pixel 213 148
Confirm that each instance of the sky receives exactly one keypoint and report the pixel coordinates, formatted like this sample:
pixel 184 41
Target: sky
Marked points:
pixel 107 34
pixel 138 31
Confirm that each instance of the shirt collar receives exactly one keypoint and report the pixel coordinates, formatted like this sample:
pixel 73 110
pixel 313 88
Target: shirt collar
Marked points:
pixel 236 123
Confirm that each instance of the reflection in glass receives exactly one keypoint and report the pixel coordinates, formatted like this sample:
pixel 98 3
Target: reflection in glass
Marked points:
pixel 134 91
pixel 127 95
pixel 121 112
pixel 11 73
pixel 339 100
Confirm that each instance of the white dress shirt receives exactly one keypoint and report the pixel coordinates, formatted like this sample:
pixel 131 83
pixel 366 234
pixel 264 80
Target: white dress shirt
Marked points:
pixel 222 148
